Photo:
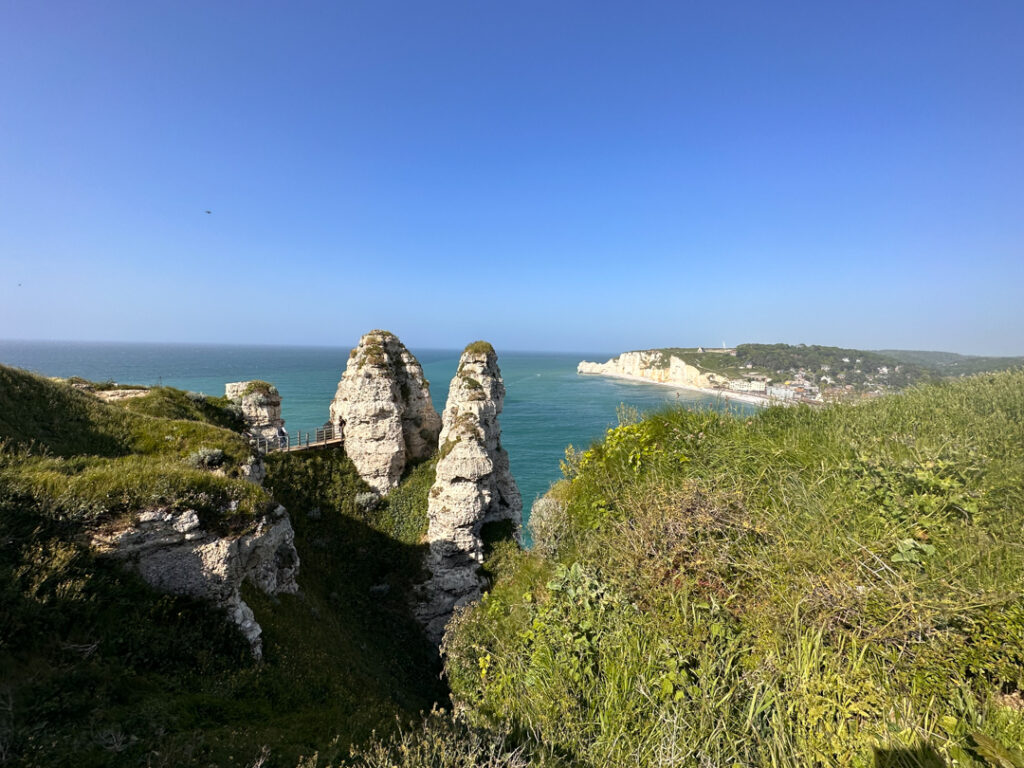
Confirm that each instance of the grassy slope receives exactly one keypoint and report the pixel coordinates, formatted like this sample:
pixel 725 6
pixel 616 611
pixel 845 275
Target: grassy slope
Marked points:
pixel 97 669
pixel 94 462
pixel 777 360
pixel 832 587
pixel 952 364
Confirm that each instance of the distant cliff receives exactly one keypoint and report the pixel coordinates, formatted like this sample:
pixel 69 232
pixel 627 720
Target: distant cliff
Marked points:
pixel 654 365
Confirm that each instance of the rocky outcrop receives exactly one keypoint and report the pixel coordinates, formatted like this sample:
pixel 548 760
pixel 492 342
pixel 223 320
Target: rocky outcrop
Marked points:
pixel 261 408
pixel 653 366
pixel 383 410
pixel 473 487
pixel 172 553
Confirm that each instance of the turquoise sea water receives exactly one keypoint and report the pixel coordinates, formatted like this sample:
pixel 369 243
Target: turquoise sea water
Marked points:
pixel 547 405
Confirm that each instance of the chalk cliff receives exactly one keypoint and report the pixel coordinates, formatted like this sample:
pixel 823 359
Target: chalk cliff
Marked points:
pixel 384 411
pixel 261 408
pixel 473 487
pixel 652 365
pixel 173 553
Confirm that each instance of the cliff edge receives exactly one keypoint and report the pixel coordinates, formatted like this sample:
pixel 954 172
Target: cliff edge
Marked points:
pixel 653 365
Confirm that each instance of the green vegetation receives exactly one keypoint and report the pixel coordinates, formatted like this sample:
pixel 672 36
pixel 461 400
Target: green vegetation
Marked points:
pixel 833 587
pixel 260 387
pixel 718 362
pixel 847 366
pixel 442 740
pixel 886 369
pixel 99 670
pixel 803 587
pixel 951 364
pixel 93 462
pixel 479 348
pixel 373 348
pixel 168 403
pixel 405 515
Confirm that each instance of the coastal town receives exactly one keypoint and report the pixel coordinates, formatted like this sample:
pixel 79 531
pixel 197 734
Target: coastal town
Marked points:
pixel 766 374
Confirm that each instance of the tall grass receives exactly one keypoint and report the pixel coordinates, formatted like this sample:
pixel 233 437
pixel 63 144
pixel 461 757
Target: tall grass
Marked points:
pixel 831 587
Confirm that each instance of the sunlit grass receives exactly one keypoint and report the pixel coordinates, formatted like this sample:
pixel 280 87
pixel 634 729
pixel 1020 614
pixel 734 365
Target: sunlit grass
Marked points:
pixel 802 587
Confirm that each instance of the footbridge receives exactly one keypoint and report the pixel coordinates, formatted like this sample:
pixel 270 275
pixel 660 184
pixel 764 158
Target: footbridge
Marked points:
pixel 322 437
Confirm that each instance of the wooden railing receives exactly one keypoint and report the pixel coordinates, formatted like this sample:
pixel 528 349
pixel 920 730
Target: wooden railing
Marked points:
pixel 329 434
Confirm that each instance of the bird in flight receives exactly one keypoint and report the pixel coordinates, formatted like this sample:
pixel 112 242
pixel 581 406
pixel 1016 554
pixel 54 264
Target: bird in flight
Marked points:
pixel 209 211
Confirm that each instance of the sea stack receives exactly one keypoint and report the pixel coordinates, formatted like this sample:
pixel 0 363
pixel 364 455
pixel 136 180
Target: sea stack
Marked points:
pixel 473 487
pixel 261 408
pixel 383 410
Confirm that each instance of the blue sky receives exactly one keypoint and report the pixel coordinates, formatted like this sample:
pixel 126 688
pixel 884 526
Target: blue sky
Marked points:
pixel 545 175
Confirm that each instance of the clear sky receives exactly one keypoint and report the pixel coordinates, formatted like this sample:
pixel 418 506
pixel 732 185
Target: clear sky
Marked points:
pixel 546 175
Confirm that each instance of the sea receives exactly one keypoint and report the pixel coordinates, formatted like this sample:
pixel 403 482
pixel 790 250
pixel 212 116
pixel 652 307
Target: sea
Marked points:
pixel 548 406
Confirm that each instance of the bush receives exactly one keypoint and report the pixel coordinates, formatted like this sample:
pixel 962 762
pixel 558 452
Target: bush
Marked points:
pixel 367 501
pixel 206 458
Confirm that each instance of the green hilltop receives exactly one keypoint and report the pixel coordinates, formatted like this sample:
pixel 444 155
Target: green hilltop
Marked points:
pixel 884 369
pixel 838 587
pixel 841 586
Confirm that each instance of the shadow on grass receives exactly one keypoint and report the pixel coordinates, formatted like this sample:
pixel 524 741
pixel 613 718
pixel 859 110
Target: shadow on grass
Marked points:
pixel 101 670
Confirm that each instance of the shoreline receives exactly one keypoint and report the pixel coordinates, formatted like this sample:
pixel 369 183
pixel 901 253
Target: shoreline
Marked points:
pixel 741 397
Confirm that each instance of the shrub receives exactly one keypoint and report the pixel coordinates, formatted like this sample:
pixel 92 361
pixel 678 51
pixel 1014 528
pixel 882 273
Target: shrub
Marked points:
pixel 206 458
pixel 367 501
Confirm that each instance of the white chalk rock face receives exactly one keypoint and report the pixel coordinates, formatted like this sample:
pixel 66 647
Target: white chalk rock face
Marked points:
pixel 653 365
pixel 473 487
pixel 384 411
pixel 261 409
pixel 172 553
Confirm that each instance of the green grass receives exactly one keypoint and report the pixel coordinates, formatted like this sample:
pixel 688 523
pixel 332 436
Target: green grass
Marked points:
pixel 952 364
pixel 259 386
pixel 803 587
pixel 169 403
pixel 84 459
pixel 102 671
pixel 99 670
pixel 712 362
pixel 479 348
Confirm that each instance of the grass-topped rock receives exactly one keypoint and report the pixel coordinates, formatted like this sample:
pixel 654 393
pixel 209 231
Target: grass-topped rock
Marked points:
pixel 260 405
pixel 479 348
pixel 473 489
pixel 384 411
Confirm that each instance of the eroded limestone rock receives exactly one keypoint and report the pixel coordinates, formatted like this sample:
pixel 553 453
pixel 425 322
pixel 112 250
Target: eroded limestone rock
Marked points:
pixel 473 487
pixel 172 553
pixel 261 408
pixel 384 411
pixel 652 365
